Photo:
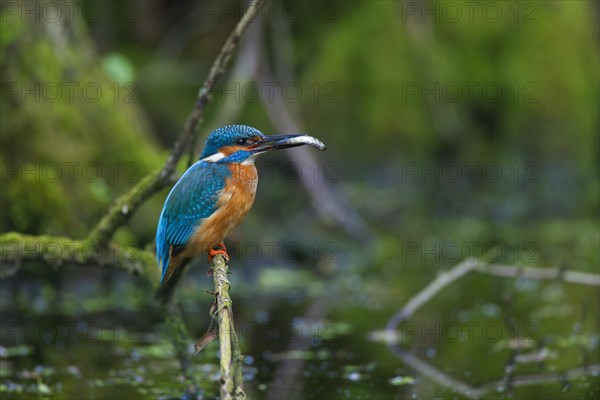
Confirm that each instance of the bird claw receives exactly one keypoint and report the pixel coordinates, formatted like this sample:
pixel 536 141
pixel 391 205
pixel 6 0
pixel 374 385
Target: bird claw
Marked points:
pixel 218 249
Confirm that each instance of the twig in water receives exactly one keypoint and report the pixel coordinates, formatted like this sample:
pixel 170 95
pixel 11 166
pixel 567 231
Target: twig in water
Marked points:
pixel 440 282
pixel 507 271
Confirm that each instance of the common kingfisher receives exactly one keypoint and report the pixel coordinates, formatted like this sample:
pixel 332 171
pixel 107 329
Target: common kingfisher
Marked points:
pixel 214 195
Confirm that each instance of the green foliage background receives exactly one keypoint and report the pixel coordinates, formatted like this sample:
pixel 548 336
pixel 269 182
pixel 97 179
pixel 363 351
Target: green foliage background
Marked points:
pixel 357 65
pixel 356 68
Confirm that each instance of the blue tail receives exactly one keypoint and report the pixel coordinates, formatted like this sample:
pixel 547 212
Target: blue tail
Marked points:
pixel 162 246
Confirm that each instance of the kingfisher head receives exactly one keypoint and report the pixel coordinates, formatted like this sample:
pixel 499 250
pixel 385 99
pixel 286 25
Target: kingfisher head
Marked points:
pixel 242 143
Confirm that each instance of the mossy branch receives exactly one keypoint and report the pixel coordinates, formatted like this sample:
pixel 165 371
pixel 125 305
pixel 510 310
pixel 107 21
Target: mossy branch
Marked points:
pixel 16 248
pixel 231 358
pixel 120 212
pixel 128 204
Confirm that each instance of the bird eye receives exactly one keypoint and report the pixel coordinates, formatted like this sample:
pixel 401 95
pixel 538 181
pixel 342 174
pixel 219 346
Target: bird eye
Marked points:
pixel 241 141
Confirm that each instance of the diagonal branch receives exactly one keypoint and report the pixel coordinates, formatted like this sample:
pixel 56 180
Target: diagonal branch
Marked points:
pixel 471 392
pixel 440 282
pixel 127 204
pixel 433 373
pixel 510 380
pixel 330 207
pixel 506 271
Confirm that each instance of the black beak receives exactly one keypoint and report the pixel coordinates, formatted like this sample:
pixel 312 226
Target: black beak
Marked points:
pixel 278 142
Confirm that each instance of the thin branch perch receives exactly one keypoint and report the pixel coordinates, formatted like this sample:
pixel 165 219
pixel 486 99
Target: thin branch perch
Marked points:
pixel 231 358
pixel 326 203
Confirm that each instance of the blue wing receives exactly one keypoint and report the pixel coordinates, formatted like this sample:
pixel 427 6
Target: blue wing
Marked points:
pixel 193 198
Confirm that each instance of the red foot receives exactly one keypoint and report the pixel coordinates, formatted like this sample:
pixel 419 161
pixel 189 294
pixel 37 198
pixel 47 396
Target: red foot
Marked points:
pixel 218 249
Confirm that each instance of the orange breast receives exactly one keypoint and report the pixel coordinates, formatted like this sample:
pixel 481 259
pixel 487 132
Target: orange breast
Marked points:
pixel 235 200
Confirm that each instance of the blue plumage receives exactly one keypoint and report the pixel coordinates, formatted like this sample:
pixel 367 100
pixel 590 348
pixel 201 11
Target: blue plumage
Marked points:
pixel 192 199
pixel 195 195
pixel 184 229
pixel 228 135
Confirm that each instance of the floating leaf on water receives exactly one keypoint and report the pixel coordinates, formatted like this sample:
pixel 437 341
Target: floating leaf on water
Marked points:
pixel 353 376
pixel 323 354
pixel 351 368
pixel 98 382
pixel 490 310
pixel 384 336
pixel 157 350
pixel 514 344
pixel 581 340
pixel 371 366
pixel 21 350
pixel 292 355
pixel 536 356
pixel 6 369
pixel 552 311
pixel 402 380
pixel 42 388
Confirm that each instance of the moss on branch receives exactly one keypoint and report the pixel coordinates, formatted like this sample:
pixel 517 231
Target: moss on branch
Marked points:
pixel 124 207
pixel 16 248
pixel 231 358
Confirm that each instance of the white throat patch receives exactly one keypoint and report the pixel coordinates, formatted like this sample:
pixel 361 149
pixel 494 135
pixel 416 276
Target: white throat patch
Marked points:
pixel 219 156
pixel 214 158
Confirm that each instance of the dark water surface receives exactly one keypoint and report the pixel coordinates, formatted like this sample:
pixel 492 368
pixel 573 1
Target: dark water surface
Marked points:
pixel 308 334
